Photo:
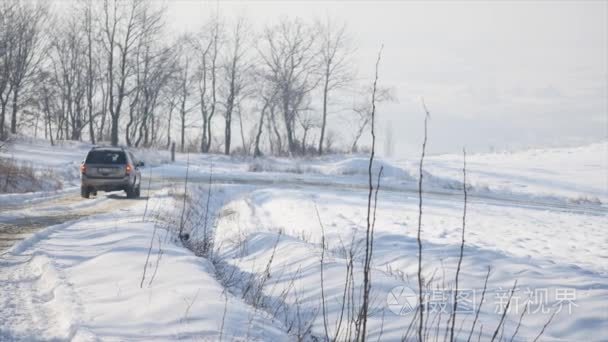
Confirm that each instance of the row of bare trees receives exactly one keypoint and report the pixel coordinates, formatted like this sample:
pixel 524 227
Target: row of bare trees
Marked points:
pixel 20 43
pixel 111 71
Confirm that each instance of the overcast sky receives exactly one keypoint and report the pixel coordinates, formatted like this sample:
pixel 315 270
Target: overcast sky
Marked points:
pixel 505 75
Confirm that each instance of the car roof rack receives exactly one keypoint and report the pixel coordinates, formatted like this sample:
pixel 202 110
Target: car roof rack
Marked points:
pixel 108 147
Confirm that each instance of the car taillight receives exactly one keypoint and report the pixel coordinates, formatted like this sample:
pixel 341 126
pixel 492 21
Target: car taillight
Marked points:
pixel 83 168
pixel 128 168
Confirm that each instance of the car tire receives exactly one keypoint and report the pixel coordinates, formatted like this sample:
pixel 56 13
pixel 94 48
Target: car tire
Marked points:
pixel 137 192
pixel 84 192
pixel 130 192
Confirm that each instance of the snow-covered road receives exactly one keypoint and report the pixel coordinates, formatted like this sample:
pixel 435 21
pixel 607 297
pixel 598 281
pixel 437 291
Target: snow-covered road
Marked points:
pixel 18 221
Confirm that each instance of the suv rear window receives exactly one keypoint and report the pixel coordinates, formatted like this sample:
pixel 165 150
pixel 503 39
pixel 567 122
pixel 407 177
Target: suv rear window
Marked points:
pixel 106 157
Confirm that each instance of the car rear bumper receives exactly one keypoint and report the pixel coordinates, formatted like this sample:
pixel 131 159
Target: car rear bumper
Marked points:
pixel 105 184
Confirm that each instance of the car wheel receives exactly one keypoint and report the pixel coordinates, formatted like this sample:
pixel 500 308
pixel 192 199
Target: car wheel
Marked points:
pixel 84 192
pixel 130 192
pixel 137 192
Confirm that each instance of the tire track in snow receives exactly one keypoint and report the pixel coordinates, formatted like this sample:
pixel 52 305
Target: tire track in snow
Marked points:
pixel 33 313
pixel 20 223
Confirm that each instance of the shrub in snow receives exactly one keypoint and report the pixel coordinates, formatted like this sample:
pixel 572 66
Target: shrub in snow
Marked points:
pixel 268 165
pixel 18 177
pixel 584 199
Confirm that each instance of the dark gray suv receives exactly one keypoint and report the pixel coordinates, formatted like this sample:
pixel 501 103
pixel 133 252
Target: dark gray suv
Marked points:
pixel 110 169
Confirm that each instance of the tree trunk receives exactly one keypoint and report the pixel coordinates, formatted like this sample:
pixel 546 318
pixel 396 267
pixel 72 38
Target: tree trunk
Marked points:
pixel 90 72
pixel 228 134
pixel 114 132
pixel 246 144
pixel 228 117
pixel 203 105
pixel 213 90
pixel 204 137
pixel 288 125
pixel 325 91
pixel 47 114
pixel 132 108
pixel 183 131
pixel 304 140
pixel 182 113
pixel 149 132
pixel 91 128
pixel 140 131
pixel 276 132
pixel 169 127
pixel 270 140
pixel 257 152
pixel 15 107
pixel 104 112
pixel 77 124
pixel 2 116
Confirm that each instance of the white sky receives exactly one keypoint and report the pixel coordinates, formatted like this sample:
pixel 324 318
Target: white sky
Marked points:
pixel 494 74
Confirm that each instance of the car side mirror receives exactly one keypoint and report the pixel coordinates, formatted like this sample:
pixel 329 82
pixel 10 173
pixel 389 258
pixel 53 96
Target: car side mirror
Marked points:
pixel 140 164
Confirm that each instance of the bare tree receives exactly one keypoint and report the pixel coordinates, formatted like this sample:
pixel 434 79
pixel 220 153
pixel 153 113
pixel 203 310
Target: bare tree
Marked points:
pixel 22 46
pixel 362 110
pixel 186 82
pixel 236 69
pixel 170 98
pixel 90 64
pixel 68 59
pixel 275 138
pixel 134 95
pixel 336 70
pixel 267 95
pixel 103 132
pixel 207 45
pixel 155 65
pixel 160 68
pixel 46 102
pixel 7 38
pixel 290 61
pixel 121 29
pixel 307 123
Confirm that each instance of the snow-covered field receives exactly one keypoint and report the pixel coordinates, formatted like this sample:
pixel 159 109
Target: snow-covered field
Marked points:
pixel 577 174
pixel 538 217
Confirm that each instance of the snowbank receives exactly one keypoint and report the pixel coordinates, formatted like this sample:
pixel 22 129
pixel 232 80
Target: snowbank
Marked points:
pixel 81 281
pixel 276 232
